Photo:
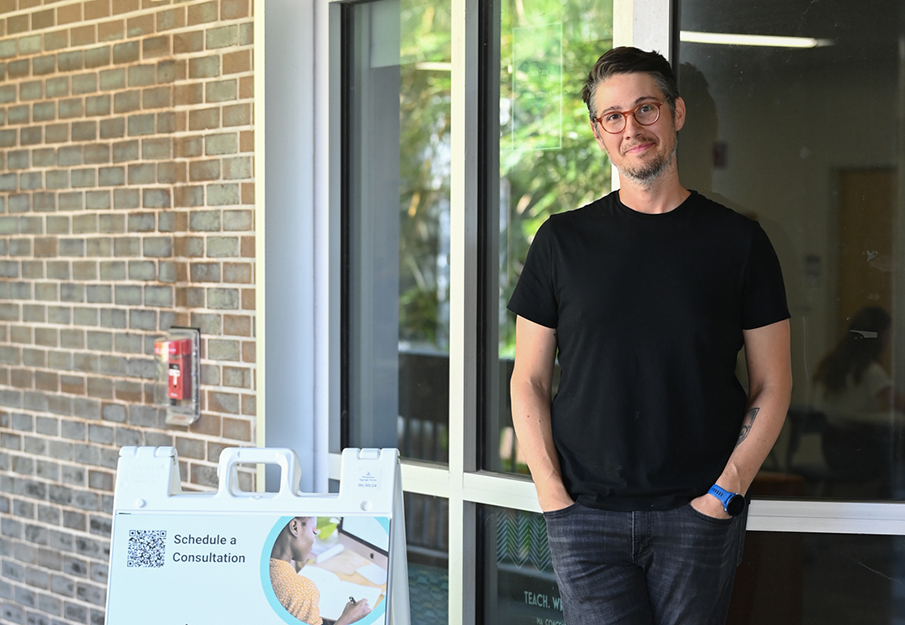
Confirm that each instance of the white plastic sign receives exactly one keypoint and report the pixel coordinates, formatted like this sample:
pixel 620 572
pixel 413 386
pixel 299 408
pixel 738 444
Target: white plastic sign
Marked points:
pixel 242 557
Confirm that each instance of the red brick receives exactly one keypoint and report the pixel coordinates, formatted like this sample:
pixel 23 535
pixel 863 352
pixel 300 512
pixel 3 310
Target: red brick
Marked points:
pixel 140 26
pixel 192 93
pixel 202 13
pixel 246 88
pixel 207 424
pixel 56 40
pixel 187 147
pixel 236 429
pixel 128 391
pixel 247 247
pixel 237 325
pixel 218 401
pixel 96 9
pixel 125 6
pixel 111 31
pixel 46 381
pixel 234 9
pixel 17 24
pixel 174 18
pixel 83 35
pixel 74 385
pixel 190 297
pixel 204 119
pixel 237 115
pixel 238 273
pixel 42 19
pixel 70 13
pixel 248 299
pixel 247 141
pixel 21 378
pixel 188 42
pixel 102 388
pixel 248 351
pixel 235 62
pixel 45 247
pixel 248 193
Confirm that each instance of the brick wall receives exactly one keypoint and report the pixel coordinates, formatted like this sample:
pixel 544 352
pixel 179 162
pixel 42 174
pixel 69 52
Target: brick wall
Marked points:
pixel 126 206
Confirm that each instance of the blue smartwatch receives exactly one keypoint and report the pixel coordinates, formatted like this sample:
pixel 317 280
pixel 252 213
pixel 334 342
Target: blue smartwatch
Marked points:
pixel 733 503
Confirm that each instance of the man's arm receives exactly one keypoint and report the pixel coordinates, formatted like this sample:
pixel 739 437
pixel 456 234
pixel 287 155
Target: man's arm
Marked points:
pixel 768 354
pixel 530 388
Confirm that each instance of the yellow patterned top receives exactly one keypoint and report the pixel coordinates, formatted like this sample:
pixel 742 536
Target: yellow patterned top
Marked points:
pixel 298 594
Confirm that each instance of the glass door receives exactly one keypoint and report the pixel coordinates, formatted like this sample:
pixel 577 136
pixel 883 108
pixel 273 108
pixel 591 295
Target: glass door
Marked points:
pixel 795 118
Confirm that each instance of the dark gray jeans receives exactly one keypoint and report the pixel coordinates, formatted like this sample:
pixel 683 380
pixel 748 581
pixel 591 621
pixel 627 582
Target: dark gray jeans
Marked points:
pixel 672 567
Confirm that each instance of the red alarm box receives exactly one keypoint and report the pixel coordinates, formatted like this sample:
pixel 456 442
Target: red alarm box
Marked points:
pixel 179 369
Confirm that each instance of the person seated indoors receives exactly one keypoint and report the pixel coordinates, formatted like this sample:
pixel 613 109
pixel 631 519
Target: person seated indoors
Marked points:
pixel 298 594
pixel 859 399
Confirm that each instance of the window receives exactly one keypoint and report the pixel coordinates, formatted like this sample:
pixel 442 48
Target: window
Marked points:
pixel 396 225
pixel 463 130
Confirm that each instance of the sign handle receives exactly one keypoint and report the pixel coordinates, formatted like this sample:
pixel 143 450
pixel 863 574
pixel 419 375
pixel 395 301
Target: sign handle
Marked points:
pixel 230 458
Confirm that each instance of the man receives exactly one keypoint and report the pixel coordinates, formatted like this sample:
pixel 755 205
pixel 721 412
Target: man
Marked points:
pixel 647 295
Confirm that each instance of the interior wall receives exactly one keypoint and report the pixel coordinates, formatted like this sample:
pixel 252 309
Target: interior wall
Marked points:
pixel 782 135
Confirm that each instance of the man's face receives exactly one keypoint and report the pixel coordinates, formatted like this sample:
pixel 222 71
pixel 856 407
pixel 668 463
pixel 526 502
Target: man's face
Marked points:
pixel 640 153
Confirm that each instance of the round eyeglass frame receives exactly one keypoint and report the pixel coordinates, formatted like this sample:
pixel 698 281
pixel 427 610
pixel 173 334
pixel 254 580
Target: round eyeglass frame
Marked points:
pixel 633 113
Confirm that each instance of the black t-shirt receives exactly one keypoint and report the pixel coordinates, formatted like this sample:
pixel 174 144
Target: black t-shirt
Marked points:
pixel 649 312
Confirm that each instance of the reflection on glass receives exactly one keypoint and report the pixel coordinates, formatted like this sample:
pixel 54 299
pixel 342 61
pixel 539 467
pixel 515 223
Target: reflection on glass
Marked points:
pixel 548 162
pixel 768 134
pixel 427 538
pixel 784 578
pixel 795 579
pixel 398 227
pixel 518 582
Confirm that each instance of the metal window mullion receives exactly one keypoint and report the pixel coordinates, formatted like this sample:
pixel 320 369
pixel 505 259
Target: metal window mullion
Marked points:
pixel 464 268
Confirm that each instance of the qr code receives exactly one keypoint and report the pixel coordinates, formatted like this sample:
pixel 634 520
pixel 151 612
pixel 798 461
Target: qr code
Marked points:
pixel 146 548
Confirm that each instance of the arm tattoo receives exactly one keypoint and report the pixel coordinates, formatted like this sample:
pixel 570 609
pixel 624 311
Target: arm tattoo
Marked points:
pixel 746 424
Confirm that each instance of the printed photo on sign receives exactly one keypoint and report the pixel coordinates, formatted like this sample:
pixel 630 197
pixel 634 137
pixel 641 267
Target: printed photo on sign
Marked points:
pixel 330 570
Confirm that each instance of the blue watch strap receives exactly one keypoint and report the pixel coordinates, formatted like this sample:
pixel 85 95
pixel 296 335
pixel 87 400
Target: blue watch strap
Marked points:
pixel 723 495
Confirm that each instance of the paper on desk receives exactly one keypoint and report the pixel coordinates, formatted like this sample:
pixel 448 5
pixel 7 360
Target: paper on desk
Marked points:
pixel 374 573
pixel 335 592
pixel 329 553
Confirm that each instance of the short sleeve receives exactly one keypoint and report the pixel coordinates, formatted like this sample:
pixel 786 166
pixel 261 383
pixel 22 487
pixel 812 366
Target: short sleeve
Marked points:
pixel 764 293
pixel 534 297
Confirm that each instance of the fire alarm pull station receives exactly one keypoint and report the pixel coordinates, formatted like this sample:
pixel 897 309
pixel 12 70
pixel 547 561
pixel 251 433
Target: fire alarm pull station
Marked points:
pixel 178 375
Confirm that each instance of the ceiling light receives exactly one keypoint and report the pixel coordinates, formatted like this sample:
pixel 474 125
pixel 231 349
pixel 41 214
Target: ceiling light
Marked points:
pixel 727 39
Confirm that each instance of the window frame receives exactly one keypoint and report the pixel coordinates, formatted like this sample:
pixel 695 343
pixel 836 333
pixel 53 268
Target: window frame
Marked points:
pixel 645 23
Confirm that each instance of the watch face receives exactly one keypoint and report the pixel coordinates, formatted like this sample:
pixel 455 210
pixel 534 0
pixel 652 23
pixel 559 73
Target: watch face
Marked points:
pixel 735 505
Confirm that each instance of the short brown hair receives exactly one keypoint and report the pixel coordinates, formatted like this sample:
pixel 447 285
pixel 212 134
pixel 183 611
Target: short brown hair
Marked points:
pixel 628 60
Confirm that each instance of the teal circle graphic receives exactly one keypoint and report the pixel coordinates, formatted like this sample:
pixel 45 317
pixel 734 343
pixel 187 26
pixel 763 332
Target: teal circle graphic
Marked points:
pixel 266 585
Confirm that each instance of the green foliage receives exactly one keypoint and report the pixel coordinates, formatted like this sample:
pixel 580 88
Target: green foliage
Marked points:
pixel 424 103
pixel 545 181
pixel 539 107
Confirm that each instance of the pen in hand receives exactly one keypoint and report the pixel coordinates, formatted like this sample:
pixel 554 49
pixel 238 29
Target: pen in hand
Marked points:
pixel 352 600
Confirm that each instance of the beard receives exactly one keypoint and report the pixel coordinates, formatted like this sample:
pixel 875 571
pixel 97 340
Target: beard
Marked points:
pixel 646 174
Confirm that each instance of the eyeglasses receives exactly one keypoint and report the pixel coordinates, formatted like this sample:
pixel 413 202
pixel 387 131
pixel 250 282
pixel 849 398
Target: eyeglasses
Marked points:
pixel 645 114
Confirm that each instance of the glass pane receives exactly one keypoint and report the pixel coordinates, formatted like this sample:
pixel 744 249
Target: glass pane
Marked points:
pixel 427 539
pixel 803 139
pixel 548 162
pixel 784 578
pixel 518 583
pixel 397 225
pixel 813 579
